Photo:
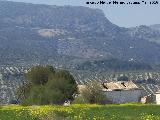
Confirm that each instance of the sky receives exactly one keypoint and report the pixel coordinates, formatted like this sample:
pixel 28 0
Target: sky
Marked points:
pixel 121 15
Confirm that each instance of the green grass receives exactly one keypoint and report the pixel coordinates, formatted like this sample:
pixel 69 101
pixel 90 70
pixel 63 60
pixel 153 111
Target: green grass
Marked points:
pixel 81 112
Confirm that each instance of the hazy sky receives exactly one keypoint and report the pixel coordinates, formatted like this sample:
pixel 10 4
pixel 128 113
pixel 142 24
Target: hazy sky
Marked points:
pixel 122 15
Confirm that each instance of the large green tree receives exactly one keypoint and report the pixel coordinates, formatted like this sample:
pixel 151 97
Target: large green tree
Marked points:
pixel 47 86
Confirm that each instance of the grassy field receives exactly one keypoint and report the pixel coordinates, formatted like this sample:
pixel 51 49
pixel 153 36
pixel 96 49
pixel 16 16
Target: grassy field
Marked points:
pixel 81 112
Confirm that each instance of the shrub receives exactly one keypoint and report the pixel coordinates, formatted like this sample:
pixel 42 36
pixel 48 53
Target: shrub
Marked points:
pixel 92 93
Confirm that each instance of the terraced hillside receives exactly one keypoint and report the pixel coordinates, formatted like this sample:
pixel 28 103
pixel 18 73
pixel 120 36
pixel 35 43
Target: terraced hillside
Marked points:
pixel 10 79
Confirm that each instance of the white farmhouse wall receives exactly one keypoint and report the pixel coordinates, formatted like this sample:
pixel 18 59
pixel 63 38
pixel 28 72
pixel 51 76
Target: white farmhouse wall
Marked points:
pixel 124 96
pixel 158 98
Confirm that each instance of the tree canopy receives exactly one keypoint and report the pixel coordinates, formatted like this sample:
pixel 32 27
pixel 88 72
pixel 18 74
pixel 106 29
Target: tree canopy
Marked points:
pixel 47 86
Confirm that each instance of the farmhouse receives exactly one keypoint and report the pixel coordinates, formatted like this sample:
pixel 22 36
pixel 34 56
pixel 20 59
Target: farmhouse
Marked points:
pixel 122 92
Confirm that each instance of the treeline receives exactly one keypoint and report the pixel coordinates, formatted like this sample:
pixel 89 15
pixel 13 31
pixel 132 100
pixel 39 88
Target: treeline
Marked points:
pixel 113 65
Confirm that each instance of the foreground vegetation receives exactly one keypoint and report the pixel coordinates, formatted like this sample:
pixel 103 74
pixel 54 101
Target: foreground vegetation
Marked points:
pixel 81 112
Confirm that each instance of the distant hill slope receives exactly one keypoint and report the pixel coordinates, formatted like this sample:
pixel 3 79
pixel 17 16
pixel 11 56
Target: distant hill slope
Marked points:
pixel 149 33
pixel 63 35
pixel 156 27
pixel 112 65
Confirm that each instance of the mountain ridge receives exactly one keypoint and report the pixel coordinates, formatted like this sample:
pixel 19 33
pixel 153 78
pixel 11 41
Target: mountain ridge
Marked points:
pixel 32 34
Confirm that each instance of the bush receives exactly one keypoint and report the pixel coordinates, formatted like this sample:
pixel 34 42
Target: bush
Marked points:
pixel 92 93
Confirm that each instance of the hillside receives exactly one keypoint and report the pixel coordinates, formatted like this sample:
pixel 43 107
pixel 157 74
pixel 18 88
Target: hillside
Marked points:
pixel 156 27
pixel 149 33
pixel 112 65
pixel 31 34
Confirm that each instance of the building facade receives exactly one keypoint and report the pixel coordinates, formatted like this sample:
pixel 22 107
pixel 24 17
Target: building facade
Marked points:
pixel 124 96
pixel 158 97
pixel 122 92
